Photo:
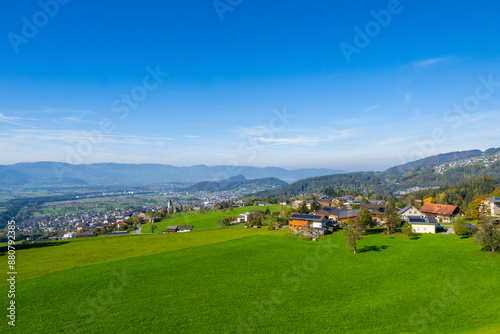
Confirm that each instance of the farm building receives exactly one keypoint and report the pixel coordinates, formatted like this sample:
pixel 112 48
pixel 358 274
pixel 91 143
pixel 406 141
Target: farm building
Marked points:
pixel 172 229
pixel 185 228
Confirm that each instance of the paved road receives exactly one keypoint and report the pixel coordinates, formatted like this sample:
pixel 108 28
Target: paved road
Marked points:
pixel 138 229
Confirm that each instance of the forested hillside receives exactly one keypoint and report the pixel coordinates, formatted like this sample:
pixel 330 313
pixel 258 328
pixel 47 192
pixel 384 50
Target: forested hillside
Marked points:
pixel 386 183
pixel 462 194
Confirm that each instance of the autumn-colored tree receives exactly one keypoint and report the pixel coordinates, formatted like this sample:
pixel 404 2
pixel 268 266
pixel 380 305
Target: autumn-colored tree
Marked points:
pixel 429 200
pixel 476 209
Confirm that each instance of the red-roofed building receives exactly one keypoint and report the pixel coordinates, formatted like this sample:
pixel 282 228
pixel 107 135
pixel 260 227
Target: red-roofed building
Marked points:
pixel 443 212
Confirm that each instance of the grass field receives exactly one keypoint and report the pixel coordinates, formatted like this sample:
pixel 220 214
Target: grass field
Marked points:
pixel 202 221
pixel 232 280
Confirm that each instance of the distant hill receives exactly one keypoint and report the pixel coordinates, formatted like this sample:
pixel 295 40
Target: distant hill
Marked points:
pixel 437 160
pixel 418 173
pixel 238 183
pixel 53 173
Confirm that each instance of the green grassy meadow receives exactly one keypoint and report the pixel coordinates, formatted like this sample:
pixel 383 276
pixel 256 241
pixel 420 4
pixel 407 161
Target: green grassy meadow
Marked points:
pixel 204 221
pixel 235 280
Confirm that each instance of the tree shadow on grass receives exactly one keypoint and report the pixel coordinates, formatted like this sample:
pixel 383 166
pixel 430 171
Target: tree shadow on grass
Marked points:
pixel 366 249
pixel 4 250
pixel 415 237
pixel 375 230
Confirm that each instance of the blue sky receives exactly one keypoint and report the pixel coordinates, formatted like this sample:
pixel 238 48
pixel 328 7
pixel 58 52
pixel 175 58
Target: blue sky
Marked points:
pixel 259 83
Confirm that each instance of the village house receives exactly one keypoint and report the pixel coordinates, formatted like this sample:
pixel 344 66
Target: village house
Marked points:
pixel 423 224
pixel 309 223
pixel 154 219
pixel 491 206
pixel 410 210
pixel 442 212
pixel 342 216
pixel 68 235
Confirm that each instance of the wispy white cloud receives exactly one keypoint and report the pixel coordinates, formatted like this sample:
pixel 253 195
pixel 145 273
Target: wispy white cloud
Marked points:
pixel 333 75
pixel 191 136
pixel 73 137
pixel 261 140
pixel 431 61
pixel 13 120
pixel 373 107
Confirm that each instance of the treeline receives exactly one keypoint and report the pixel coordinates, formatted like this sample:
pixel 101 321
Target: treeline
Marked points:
pixel 461 194
pixel 270 182
pixel 368 182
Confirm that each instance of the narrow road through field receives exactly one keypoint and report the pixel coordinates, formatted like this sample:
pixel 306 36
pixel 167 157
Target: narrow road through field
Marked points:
pixel 138 229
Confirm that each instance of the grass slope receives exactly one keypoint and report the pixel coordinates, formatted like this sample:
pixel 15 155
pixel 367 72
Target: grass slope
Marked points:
pixel 46 257
pixel 203 221
pixel 271 284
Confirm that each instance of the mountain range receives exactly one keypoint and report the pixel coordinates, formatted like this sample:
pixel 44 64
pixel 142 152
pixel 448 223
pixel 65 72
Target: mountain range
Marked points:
pixel 56 174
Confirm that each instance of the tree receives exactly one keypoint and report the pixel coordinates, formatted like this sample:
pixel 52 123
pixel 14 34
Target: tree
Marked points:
pixel 476 208
pixel 153 228
pixel 460 227
pixel 353 232
pixel 303 208
pixel 267 211
pixel 411 200
pixel 227 220
pixel 365 219
pixel 393 219
pixel 314 206
pixel 255 218
pixel 428 200
pixel 354 207
pixel 488 235
pixel 365 201
pixel 103 230
pixel 407 230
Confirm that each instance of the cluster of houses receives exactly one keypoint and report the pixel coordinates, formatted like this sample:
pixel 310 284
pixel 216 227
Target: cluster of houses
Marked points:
pixel 427 219
pixel 469 162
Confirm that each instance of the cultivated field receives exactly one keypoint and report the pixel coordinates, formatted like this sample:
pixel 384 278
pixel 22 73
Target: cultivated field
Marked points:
pixel 235 280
